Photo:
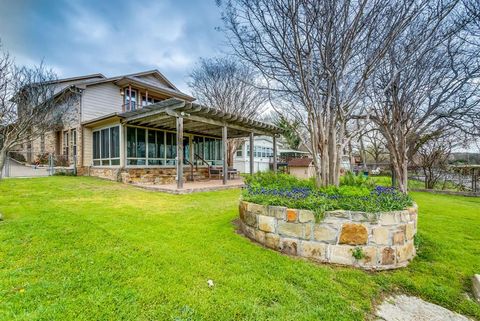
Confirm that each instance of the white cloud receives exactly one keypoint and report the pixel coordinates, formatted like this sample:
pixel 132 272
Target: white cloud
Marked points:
pixel 119 37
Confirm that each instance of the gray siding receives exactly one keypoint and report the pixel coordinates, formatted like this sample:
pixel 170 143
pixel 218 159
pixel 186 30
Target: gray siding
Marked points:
pixel 154 81
pixel 100 100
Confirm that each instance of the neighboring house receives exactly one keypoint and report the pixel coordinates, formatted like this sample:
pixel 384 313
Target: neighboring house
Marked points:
pixel 263 154
pixel 301 168
pixel 141 128
pixel 304 167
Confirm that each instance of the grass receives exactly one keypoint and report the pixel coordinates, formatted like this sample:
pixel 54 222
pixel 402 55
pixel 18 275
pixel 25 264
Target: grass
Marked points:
pixel 79 248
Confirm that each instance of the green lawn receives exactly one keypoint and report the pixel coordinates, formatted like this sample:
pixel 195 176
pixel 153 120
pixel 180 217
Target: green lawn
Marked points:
pixel 78 248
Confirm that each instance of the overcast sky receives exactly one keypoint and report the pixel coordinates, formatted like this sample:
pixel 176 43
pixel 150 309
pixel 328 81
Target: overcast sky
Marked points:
pixel 112 37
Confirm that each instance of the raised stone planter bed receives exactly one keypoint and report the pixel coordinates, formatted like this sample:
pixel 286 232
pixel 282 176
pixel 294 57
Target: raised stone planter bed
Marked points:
pixel 379 240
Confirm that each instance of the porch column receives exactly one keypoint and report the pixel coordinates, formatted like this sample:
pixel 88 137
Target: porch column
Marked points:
pixel 274 153
pixel 123 145
pixel 179 152
pixel 251 153
pixel 225 155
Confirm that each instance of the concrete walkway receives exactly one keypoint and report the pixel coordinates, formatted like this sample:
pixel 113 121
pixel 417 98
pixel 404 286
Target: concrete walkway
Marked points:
pixel 408 308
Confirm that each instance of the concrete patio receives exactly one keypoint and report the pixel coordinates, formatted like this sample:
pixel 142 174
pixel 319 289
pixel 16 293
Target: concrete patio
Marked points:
pixel 193 187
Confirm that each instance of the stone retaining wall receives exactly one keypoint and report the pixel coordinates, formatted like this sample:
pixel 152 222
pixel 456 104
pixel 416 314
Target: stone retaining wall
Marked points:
pixel 385 240
pixel 142 175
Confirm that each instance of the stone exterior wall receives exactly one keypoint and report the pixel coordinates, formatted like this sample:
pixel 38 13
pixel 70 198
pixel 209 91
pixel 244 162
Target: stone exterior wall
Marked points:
pixel 142 175
pixel 385 239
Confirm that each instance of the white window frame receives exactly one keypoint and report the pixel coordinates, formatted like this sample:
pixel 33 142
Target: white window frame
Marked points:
pixel 109 159
pixel 168 162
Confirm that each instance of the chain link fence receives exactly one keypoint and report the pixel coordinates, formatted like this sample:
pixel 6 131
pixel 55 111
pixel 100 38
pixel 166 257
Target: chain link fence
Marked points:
pixel 31 164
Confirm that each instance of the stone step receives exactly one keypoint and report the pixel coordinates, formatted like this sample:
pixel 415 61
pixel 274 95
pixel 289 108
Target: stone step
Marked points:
pixel 476 286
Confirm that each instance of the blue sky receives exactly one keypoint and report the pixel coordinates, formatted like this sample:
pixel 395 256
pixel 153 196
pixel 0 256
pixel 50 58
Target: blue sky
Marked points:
pixel 112 37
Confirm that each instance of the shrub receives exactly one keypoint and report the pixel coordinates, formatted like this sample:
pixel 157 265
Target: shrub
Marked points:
pixel 18 157
pixel 42 158
pixel 285 190
pixel 61 161
pixel 350 179
pixel 64 173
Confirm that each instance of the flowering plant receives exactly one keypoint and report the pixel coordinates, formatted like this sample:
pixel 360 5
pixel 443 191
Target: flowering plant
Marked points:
pixel 284 190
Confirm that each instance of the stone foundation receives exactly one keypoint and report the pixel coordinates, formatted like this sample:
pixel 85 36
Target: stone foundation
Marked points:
pixel 158 176
pixel 382 240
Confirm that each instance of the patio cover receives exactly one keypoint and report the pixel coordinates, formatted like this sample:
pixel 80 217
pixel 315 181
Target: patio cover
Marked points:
pixel 187 117
pixel 197 119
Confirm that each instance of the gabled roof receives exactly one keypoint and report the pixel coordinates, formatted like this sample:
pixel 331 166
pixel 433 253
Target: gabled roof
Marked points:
pixel 156 73
pixel 136 78
pixel 77 78
pixel 300 162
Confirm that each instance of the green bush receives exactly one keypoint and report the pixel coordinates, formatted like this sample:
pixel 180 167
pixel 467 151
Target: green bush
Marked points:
pixel 350 179
pixel 18 157
pixel 354 194
pixel 42 158
pixel 64 173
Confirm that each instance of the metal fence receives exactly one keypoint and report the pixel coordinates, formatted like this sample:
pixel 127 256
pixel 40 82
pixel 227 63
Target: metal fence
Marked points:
pixel 23 164
pixel 460 177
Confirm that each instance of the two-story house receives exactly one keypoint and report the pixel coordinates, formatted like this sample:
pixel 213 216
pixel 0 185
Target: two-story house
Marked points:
pixel 141 128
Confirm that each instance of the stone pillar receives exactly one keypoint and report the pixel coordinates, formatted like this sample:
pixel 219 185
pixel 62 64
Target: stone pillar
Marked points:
pixel 274 153
pixel 179 152
pixel 251 153
pixel 225 154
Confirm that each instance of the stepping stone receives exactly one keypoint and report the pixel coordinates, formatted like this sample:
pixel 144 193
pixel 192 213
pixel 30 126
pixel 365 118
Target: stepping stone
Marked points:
pixel 476 286
pixel 408 308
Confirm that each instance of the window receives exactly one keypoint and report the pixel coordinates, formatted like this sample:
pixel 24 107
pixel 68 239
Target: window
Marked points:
pixel 148 101
pixel 73 135
pixel 199 146
pixel 115 145
pixel 130 100
pixel 247 147
pixel 171 146
pixel 136 146
pixel 156 147
pixel 106 146
pixel 150 147
pixel 239 152
pixel 153 147
pixel 65 144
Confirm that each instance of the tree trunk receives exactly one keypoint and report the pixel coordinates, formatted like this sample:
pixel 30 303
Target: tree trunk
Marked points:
pixel 3 158
pixel 403 176
pixel 332 159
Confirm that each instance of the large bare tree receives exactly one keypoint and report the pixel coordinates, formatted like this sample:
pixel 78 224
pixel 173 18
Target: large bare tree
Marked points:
pixel 30 104
pixel 225 84
pixel 317 56
pixel 375 146
pixel 427 83
pixel 432 157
